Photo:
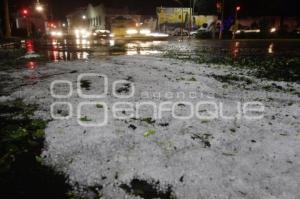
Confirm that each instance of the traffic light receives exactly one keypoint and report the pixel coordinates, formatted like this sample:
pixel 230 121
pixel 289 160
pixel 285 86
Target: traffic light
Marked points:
pixel 24 12
pixel 219 7
pixel 238 8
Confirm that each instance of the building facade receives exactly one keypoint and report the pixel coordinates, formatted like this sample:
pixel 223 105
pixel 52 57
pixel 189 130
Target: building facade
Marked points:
pixel 169 19
pixel 99 17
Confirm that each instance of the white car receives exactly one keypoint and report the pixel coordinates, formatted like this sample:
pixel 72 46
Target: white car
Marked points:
pixel 202 29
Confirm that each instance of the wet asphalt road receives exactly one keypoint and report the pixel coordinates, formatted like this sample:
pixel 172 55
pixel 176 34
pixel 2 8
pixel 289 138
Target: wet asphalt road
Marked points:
pixel 205 50
pixel 59 50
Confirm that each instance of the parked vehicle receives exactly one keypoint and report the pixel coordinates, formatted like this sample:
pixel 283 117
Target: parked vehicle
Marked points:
pixel 177 32
pixel 101 34
pixel 202 29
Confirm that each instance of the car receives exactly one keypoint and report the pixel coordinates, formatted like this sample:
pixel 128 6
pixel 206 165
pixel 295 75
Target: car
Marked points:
pixel 206 31
pixel 103 34
pixel 200 30
pixel 177 32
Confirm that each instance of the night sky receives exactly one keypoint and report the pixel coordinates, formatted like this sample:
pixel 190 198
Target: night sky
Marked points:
pixel 249 7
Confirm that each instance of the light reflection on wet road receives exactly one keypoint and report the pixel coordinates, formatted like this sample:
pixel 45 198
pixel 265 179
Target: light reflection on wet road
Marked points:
pixel 261 48
pixel 204 50
pixel 56 50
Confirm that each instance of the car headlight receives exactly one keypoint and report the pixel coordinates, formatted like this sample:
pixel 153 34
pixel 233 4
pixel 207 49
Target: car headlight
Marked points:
pixel 86 35
pixel 145 31
pixel 56 34
pixel 82 31
pixel 272 30
pixel 59 34
pixel 131 31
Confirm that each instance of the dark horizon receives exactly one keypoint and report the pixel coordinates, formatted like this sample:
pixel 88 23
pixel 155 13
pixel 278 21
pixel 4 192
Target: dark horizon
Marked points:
pixel 249 8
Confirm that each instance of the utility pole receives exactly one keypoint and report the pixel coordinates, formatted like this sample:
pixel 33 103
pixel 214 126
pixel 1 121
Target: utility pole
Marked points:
pixel 190 20
pixel 6 19
pixel 222 19
pixel 182 21
pixel 235 26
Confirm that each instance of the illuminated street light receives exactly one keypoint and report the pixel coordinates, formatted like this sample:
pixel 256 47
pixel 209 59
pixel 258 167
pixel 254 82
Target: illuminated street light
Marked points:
pixel 236 25
pixel 237 10
pixel 39 7
pixel 83 17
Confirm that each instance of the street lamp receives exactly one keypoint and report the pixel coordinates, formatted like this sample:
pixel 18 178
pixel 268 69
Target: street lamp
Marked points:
pixel 25 15
pixel 237 10
pixel 39 7
pixel 83 17
pixel 235 26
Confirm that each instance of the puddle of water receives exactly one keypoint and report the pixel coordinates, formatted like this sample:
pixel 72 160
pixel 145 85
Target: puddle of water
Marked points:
pixel 262 54
pixel 81 49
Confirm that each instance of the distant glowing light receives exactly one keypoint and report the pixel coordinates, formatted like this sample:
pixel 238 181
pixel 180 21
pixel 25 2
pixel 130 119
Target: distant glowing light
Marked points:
pixel 52 25
pixel 156 34
pixel 54 42
pixel 272 30
pixel 271 48
pixel 56 34
pixel 39 7
pixel 29 46
pixel 83 17
pixel 31 65
pixel 131 31
pixel 82 33
pixel 111 42
pixel 145 31
pixel 25 12
pixel 248 31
